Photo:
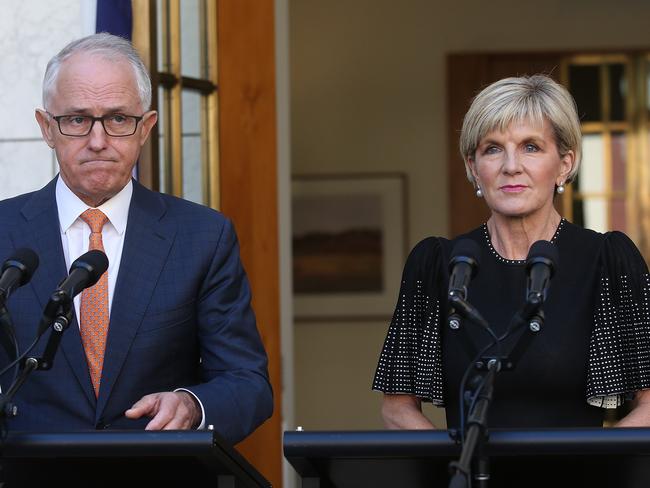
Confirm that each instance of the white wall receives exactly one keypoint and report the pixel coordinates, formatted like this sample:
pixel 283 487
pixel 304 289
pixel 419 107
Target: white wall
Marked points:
pixel 368 94
pixel 30 34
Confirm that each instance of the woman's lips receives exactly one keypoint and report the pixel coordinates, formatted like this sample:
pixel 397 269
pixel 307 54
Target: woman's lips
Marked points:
pixel 513 188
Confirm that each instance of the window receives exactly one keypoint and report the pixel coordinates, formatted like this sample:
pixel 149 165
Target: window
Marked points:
pixel 602 87
pixel 180 41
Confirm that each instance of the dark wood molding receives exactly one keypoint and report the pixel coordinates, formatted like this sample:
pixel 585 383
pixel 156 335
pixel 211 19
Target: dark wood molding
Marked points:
pixel 248 186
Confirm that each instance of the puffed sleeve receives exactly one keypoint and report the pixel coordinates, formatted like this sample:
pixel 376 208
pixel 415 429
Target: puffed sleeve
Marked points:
pixel 411 358
pixel 619 350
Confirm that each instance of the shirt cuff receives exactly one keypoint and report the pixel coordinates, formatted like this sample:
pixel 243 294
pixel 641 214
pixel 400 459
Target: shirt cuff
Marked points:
pixel 202 424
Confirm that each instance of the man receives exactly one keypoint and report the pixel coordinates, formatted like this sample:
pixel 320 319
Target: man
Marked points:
pixel 167 338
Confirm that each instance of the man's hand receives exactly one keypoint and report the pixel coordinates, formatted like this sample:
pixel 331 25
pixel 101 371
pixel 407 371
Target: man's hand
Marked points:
pixel 170 410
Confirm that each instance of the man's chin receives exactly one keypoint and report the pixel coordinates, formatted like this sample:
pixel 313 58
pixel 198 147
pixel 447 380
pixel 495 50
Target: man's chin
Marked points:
pixel 96 195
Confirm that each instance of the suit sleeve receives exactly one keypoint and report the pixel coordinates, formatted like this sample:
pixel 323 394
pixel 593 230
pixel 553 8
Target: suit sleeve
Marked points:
pixel 235 389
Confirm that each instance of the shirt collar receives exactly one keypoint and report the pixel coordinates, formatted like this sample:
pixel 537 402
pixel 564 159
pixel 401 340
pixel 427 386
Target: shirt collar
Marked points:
pixel 70 206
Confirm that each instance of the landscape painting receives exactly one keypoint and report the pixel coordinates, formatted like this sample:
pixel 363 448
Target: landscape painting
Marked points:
pixel 348 244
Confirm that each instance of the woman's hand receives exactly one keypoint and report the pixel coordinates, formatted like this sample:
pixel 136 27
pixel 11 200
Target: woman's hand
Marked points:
pixel 404 412
pixel 640 414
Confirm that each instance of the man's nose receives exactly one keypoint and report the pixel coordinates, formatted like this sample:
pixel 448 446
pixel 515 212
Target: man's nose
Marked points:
pixel 97 139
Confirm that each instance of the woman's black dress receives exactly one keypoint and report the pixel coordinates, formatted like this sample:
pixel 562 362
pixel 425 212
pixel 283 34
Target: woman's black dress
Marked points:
pixel 593 351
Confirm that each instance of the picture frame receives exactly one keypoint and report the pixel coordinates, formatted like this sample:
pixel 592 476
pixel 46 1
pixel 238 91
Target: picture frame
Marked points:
pixel 349 245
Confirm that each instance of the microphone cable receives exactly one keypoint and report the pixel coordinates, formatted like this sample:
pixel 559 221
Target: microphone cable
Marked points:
pixel 7 326
pixel 20 358
pixel 495 342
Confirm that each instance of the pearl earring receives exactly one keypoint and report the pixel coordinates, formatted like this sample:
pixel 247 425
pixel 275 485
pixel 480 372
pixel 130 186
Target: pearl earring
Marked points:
pixel 560 189
pixel 479 193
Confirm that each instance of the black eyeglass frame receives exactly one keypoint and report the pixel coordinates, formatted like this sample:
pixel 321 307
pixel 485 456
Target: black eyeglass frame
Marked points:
pixel 101 119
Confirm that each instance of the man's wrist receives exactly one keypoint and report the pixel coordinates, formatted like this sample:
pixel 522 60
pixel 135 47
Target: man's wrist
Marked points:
pixel 198 421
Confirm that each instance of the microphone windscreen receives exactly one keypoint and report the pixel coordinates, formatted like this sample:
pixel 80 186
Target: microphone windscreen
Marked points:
pixel 543 250
pixel 94 262
pixel 465 251
pixel 26 261
pixel 466 248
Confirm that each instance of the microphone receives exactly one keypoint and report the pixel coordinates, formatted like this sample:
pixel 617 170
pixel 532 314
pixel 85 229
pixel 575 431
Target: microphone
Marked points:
pixel 463 266
pixel 16 272
pixel 85 271
pixel 540 266
pixel 541 262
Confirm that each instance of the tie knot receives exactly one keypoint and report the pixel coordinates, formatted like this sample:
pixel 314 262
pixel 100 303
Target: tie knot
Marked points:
pixel 95 219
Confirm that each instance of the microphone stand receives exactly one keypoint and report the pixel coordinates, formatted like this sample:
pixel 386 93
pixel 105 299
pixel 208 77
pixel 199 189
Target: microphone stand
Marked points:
pixel 476 437
pixel 59 309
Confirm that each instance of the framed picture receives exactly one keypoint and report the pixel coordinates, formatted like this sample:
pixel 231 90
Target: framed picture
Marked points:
pixel 349 245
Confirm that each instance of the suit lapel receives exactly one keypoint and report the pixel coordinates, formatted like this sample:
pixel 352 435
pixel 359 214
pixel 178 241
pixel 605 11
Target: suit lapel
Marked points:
pixel 42 230
pixel 147 243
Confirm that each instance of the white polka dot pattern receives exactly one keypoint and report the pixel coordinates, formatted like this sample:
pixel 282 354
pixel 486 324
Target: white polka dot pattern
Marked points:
pixel 411 360
pixel 619 352
pixel 498 256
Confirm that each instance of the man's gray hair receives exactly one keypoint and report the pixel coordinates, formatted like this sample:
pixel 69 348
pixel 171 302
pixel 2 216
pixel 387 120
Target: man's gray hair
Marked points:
pixel 533 99
pixel 108 46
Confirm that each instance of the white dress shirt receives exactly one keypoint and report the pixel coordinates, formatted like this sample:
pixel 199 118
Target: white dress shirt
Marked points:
pixel 75 233
pixel 75 237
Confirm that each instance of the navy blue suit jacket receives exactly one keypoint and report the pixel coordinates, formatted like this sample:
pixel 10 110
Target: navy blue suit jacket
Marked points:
pixel 180 318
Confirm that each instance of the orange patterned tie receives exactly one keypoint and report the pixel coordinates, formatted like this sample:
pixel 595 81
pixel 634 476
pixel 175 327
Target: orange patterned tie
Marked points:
pixel 94 304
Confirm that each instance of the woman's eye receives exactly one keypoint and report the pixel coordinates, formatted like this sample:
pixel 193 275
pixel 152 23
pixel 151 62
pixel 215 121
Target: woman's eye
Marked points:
pixel 491 150
pixel 531 147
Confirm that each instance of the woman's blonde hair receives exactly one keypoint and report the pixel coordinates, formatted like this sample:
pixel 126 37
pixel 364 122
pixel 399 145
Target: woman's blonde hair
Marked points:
pixel 526 98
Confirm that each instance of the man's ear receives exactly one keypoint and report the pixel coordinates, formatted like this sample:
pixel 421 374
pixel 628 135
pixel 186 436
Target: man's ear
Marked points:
pixel 148 121
pixel 43 119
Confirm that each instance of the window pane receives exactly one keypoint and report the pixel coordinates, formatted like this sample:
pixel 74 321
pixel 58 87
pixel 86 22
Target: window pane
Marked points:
pixel 162 36
pixel 592 169
pixel 617 215
pixel 191 19
pixel 595 213
pixel 647 87
pixel 619 159
pixel 617 91
pixel 192 157
pixel 584 84
pixel 163 167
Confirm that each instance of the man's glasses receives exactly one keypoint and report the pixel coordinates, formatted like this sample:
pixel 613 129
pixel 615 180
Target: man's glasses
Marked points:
pixel 115 125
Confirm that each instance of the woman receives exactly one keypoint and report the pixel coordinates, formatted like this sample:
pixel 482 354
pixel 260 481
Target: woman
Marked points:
pixel 521 144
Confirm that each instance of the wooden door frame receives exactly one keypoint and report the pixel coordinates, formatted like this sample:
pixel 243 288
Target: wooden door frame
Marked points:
pixel 248 186
pixel 247 178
